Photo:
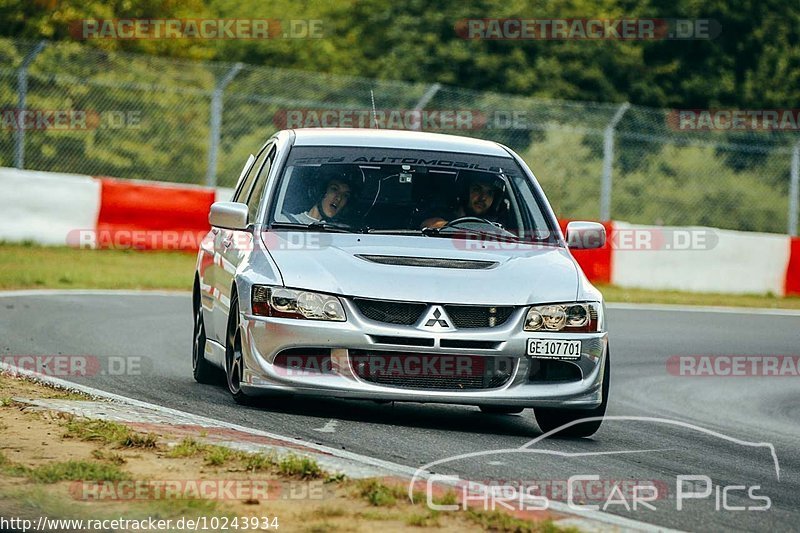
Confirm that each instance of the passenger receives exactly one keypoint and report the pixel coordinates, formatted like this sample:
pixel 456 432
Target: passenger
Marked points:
pixel 332 200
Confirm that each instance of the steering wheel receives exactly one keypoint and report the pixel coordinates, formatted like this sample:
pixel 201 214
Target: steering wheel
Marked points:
pixel 460 220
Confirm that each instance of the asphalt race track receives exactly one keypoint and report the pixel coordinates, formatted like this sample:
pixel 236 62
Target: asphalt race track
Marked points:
pixel 728 412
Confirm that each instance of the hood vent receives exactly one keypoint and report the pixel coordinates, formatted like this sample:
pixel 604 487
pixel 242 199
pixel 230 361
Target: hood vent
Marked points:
pixel 433 262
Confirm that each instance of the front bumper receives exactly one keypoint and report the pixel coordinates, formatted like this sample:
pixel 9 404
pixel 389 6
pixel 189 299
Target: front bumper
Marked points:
pixel 264 338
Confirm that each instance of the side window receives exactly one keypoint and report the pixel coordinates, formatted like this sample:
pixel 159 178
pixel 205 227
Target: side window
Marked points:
pixel 243 192
pixel 247 166
pixel 261 181
pixel 244 184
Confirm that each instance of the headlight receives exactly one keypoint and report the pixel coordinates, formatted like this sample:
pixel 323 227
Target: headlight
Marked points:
pixel 291 303
pixel 573 318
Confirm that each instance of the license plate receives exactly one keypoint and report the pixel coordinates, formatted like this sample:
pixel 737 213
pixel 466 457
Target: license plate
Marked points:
pixel 554 349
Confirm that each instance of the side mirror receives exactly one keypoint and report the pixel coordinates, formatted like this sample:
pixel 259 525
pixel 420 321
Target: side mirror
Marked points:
pixel 228 215
pixel 585 235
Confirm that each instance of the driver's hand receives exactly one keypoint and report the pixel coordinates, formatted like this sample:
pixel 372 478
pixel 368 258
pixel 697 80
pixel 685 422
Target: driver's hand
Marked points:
pixel 435 222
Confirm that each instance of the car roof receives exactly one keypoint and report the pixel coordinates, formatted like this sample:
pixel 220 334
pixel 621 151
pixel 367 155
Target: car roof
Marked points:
pixel 412 140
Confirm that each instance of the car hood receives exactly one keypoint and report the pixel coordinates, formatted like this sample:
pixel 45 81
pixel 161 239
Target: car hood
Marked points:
pixel 334 263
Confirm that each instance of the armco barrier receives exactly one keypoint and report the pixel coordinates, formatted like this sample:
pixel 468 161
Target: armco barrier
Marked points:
pixel 793 268
pixel 45 207
pixel 49 208
pixel 734 262
pixel 57 209
pixel 129 208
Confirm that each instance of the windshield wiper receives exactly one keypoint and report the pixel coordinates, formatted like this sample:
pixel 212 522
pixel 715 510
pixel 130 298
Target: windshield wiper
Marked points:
pixel 378 231
pixel 441 232
pixel 314 226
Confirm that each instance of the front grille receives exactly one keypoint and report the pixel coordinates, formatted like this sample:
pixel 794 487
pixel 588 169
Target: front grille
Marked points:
pixel 408 313
pixel 403 313
pixel 432 371
pixel 403 341
pixel 476 316
pixel 467 344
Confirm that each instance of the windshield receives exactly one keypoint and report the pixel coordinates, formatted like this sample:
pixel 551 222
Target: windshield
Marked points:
pixel 414 192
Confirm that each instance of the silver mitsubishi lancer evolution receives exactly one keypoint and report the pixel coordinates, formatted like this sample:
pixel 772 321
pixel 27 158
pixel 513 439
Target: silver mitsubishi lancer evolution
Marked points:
pixel 400 266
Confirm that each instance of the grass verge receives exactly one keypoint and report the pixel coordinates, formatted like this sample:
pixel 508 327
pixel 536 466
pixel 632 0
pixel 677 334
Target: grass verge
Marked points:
pixel 642 296
pixel 290 466
pixel 76 471
pixel 109 433
pixel 29 266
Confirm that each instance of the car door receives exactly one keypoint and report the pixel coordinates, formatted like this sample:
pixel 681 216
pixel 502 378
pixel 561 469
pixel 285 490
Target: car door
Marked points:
pixel 231 246
pixel 208 266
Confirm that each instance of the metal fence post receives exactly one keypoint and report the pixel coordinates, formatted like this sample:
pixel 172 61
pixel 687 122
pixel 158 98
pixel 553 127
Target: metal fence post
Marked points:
pixel 216 123
pixel 608 161
pixel 22 96
pixel 794 190
pixel 426 98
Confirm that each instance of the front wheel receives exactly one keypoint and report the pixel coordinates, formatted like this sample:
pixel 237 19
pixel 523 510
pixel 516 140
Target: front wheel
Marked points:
pixel 234 360
pixel 549 418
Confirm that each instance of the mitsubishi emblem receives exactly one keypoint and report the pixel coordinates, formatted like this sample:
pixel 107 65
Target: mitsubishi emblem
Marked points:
pixel 437 319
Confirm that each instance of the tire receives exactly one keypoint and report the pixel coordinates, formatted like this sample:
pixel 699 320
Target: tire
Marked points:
pixel 234 360
pixel 203 371
pixel 550 418
pixel 500 409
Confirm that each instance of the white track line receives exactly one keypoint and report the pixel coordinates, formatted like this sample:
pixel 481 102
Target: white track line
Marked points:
pixel 90 292
pixel 704 309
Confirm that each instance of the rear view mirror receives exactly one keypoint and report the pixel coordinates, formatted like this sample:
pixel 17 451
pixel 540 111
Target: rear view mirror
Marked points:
pixel 585 235
pixel 228 215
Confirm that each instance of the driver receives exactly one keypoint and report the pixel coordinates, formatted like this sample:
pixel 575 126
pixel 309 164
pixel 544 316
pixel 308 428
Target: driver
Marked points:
pixel 331 203
pixel 476 200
